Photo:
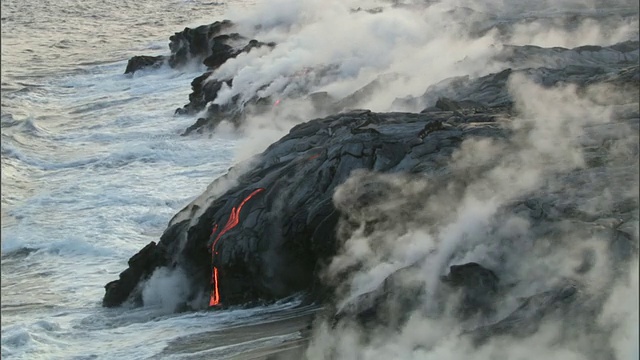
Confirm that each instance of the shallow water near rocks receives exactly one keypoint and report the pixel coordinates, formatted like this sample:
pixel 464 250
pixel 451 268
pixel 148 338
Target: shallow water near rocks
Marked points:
pixel 93 168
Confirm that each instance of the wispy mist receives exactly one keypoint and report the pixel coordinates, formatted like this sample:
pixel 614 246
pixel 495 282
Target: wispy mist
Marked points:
pixel 541 207
pixel 472 215
pixel 338 47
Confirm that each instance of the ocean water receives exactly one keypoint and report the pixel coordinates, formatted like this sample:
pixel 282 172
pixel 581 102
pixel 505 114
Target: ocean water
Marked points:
pixel 93 168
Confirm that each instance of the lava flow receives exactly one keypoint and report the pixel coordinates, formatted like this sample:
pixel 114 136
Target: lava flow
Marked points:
pixel 234 219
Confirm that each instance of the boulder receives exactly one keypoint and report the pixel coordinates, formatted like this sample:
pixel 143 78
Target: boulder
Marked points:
pixel 210 44
pixel 141 62
pixel 195 43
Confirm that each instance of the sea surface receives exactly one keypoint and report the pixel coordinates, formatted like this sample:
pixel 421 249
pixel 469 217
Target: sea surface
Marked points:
pixel 93 168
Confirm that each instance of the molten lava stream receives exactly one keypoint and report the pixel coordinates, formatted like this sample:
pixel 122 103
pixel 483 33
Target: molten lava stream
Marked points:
pixel 234 219
pixel 215 294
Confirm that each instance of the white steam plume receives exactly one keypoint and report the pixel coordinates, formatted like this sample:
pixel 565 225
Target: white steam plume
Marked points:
pixel 166 289
pixel 326 46
pixel 463 222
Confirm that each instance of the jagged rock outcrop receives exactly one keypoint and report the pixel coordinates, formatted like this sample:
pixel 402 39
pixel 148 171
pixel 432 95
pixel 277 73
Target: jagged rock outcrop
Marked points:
pixel 288 230
pixel 273 232
pixel 195 43
pixel 284 232
pixel 140 62
pixel 547 66
pixel 581 66
pixel 211 45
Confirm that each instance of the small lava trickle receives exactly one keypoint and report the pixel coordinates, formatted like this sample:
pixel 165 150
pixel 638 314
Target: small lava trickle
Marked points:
pixel 234 219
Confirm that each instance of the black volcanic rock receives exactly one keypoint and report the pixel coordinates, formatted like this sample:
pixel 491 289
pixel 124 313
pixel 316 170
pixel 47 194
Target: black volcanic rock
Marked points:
pixel 276 247
pixel 140 62
pixel 210 44
pixel 616 64
pixel 321 101
pixel 205 91
pixel 533 310
pixel 287 231
pixel 479 287
pixel 141 266
pixel 195 43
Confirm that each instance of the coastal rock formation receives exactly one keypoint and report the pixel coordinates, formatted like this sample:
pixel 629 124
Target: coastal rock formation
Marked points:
pixel 211 45
pixel 296 217
pixel 280 236
pixel 547 66
pixel 140 62
pixel 581 66
pixel 275 247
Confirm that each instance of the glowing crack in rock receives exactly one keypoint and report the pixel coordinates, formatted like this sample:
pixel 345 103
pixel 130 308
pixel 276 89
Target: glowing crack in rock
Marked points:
pixel 234 219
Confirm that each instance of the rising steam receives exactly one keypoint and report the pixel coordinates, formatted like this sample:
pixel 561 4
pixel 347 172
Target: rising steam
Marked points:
pixel 502 203
pixel 471 215
pixel 338 47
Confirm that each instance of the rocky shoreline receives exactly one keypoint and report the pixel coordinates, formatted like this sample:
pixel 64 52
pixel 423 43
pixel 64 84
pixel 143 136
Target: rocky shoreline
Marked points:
pixel 283 216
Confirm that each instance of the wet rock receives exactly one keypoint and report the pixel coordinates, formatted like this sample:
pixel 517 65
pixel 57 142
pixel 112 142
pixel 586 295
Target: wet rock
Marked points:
pixel 211 44
pixel 276 246
pixel 141 266
pixel 141 62
pixel 195 43
pixel 479 287
pixel 205 90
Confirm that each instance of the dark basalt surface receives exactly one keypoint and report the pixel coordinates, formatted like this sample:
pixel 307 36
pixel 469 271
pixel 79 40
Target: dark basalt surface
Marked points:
pixel 276 248
pixel 210 45
pixel 547 66
pixel 287 232
pixel 140 62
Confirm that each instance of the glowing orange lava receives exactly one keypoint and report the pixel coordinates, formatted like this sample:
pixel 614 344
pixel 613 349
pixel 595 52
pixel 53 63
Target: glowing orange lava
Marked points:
pixel 234 219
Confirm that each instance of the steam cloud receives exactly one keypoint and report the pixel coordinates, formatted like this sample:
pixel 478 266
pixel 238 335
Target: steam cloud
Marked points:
pixel 166 289
pixel 462 221
pixel 473 214
pixel 476 213
pixel 327 46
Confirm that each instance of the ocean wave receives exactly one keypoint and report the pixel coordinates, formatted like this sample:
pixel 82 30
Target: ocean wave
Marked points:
pixel 7 120
pixel 31 340
pixel 11 151
pixel 98 105
pixel 44 243
pixel 20 252
pixel 120 158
